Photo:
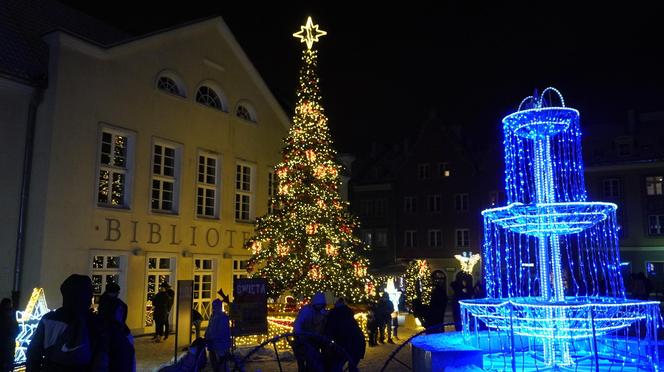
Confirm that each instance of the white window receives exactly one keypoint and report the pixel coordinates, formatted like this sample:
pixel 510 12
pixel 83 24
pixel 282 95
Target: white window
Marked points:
pixel 114 178
pixel 171 83
pixel 435 238
pixel 462 238
pixel 656 224
pixel 443 170
pixel 207 186
pixel 240 269
pixel 433 203
pixel 272 184
pixel 168 85
pixel 245 111
pixel 244 187
pixel 165 177
pixel 654 185
pixel 380 238
pixel 461 202
pixel 160 269
pixel 410 204
pixel 611 187
pixel 409 238
pixel 204 284
pixel 423 171
pixel 207 96
pixel 106 269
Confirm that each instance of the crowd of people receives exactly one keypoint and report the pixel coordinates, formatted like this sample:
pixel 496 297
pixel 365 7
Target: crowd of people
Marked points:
pixel 314 326
pixel 76 338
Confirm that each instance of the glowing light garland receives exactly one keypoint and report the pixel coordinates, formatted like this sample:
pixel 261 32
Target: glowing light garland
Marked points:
pixel 551 258
pixel 467 261
pixel 28 320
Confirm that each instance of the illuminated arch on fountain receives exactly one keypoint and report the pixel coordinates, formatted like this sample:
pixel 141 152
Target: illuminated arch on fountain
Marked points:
pixel 551 257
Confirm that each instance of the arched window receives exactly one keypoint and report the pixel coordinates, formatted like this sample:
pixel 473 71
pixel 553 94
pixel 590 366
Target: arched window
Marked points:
pixel 169 82
pixel 208 97
pixel 245 111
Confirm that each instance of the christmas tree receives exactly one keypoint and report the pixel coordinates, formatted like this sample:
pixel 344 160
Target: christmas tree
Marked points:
pixel 306 244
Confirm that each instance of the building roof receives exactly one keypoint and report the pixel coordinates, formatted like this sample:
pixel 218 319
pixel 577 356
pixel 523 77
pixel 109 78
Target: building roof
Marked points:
pixel 23 52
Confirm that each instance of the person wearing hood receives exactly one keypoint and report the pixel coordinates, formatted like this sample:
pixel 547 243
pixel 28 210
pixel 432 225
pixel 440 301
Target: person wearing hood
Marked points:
pixel 310 319
pixel 121 343
pixel 218 337
pixel 343 329
pixel 8 333
pixel 70 338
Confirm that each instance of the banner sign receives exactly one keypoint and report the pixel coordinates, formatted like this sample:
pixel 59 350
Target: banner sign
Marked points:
pixel 249 309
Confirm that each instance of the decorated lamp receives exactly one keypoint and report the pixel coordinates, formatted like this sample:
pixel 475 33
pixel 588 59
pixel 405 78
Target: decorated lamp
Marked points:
pixel 554 289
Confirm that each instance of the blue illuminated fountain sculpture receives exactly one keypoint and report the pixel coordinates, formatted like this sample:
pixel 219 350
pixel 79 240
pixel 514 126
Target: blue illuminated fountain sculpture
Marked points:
pixel 555 296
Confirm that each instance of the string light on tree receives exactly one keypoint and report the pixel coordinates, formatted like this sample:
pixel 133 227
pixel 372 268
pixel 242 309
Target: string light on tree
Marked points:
pixel 418 281
pixel 307 244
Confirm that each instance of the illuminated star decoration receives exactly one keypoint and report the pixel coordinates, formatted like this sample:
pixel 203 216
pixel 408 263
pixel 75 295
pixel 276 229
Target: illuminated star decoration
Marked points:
pixel 467 261
pixel 309 33
pixel 27 323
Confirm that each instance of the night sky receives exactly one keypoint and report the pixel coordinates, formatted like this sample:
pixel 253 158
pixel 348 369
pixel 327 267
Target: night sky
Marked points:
pixel 385 69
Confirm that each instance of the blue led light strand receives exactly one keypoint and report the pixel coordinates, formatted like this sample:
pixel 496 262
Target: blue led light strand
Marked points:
pixel 551 258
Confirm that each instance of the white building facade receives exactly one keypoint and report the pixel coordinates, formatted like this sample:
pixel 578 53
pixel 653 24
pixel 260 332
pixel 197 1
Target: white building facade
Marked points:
pixel 151 160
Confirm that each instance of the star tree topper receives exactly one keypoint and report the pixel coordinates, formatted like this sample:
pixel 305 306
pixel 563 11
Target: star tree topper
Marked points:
pixel 309 33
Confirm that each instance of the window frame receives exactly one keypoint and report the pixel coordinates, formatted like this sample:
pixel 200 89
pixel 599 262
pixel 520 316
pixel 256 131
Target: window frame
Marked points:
pixel 250 110
pixel 410 238
pixel 250 194
pixel 105 271
pixel 654 182
pixel 423 171
pixel 464 234
pixel 175 77
pixel 660 225
pixel 437 240
pixel 609 181
pixel 434 203
pixel 461 201
pixel 161 178
pixel 410 204
pixel 216 187
pixel 128 170
pixel 444 170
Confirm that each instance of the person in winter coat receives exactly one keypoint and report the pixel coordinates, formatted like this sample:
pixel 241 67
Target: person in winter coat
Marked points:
pixel 161 306
pixel 121 342
pixel 8 333
pixel 385 308
pixel 108 298
pixel 310 319
pixel 194 361
pixel 70 338
pixel 437 306
pixel 218 337
pixel 196 320
pixel 372 325
pixel 462 290
pixel 343 329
